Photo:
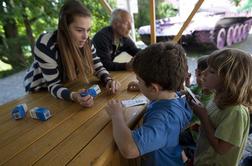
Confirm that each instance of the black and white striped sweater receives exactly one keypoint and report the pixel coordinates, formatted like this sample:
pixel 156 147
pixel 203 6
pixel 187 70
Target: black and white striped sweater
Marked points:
pixel 47 71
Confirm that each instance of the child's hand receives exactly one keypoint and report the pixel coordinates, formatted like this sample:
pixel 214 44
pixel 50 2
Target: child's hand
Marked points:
pixel 129 64
pixel 86 101
pixel 112 86
pixel 198 109
pixel 190 96
pixel 133 86
pixel 114 108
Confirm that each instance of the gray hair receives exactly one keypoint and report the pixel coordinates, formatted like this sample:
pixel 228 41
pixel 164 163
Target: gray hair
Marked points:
pixel 117 14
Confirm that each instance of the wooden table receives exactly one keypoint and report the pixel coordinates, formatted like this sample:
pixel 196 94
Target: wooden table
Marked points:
pixel 72 136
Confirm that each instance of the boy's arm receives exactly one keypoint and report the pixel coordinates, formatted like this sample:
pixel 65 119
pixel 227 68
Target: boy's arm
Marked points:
pixel 219 145
pixel 121 132
pixel 123 138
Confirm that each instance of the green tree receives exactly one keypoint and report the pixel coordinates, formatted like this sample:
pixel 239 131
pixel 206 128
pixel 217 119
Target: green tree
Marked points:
pixel 99 16
pixel 22 21
pixel 20 24
pixel 10 41
pixel 236 2
pixel 163 10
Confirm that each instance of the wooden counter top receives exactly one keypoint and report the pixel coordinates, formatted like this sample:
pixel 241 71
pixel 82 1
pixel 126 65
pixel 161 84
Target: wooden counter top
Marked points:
pixel 74 135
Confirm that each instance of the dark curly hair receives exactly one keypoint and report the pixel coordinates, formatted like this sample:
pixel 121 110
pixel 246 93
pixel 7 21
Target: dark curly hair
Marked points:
pixel 163 63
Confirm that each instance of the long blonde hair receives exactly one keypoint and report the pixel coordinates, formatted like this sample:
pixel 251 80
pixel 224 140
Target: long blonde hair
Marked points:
pixel 234 68
pixel 77 62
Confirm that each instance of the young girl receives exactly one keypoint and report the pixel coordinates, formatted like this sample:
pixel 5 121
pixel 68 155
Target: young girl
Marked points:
pixel 225 120
pixel 67 54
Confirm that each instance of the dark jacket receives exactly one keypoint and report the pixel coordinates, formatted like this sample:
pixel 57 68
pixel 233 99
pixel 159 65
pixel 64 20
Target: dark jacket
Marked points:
pixel 107 51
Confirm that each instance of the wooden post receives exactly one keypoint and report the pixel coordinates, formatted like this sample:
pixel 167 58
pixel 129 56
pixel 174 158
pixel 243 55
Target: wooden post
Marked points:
pixel 153 21
pixel 187 22
pixel 106 6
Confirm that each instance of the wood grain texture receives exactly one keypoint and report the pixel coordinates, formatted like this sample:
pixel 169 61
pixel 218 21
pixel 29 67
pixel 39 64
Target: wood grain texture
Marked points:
pixel 73 135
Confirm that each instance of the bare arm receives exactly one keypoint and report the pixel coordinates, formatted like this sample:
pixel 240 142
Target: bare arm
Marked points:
pixel 121 132
pixel 219 145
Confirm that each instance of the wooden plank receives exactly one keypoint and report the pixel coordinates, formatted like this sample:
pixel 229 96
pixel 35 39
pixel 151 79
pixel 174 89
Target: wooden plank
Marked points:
pixel 32 97
pixel 98 145
pixel 65 125
pixel 110 153
pixel 9 125
pixel 107 158
pixel 38 129
pixel 45 100
pixel 187 22
pixel 101 148
pixel 153 21
pixel 5 110
pixel 55 155
pixel 29 99
pixel 16 143
pixel 14 129
pixel 62 137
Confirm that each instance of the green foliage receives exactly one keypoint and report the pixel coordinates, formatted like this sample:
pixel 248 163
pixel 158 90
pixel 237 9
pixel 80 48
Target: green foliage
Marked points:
pixel 39 15
pixel 143 16
pixel 236 2
pixel 30 18
pixel 246 6
pixel 163 10
pixel 42 16
pixel 99 16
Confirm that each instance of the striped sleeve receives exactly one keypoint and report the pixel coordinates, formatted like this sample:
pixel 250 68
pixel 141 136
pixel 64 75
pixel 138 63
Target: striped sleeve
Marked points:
pixel 45 55
pixel 100 70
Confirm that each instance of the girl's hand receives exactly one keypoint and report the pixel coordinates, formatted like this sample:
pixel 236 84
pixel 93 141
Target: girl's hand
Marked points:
pixel 114 108
pixel 86 101
pixel 133 86
pixel 199 110
pixel 112 86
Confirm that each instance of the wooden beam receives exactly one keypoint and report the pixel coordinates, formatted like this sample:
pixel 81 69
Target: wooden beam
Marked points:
pixel 153 21
pixel 187 22
pixel 105 4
